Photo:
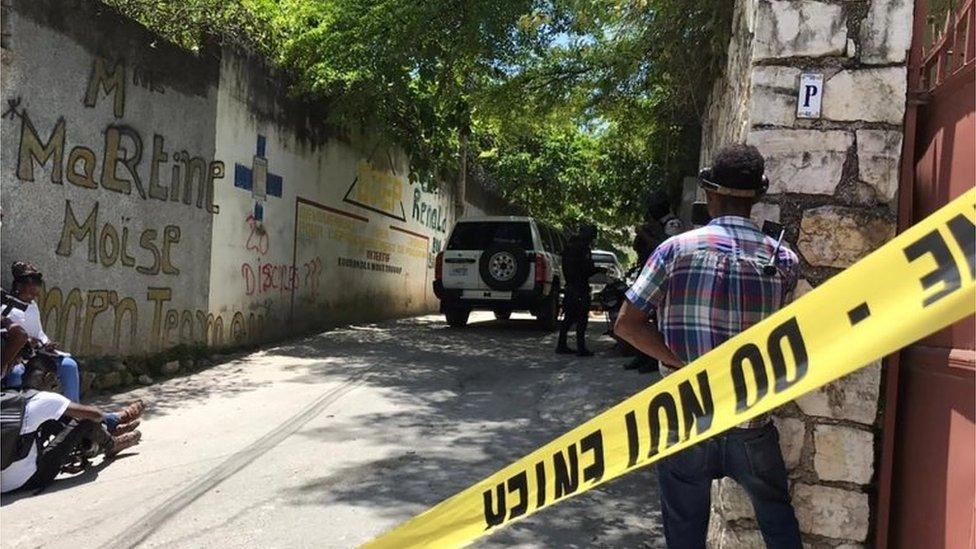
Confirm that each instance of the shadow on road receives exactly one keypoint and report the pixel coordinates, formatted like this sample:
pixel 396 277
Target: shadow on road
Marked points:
pixel 483 396
pixel 465 402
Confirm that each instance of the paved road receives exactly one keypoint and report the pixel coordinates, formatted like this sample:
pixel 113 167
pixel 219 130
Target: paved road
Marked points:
pixel 332 439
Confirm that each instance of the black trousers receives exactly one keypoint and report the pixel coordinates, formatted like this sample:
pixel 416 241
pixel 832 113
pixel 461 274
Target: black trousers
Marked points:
pixel 576 311
pixel 67 437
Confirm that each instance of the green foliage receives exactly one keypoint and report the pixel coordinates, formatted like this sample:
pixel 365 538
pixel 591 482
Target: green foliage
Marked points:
pixel 632 75
pixel 403 66
pixel 572 108
pixel 187 23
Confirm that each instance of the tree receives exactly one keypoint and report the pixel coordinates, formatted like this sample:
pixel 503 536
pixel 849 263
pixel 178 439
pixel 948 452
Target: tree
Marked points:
pixel 571 108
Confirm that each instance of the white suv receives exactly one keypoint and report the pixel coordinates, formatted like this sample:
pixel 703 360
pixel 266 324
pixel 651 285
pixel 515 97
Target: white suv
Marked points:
pixel 501 264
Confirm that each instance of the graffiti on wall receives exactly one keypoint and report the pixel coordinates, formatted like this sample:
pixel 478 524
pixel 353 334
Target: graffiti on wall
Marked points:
pixel 129 162
pixel 124 155
pixel 72 316
pixel 361 247
pixel 377 190
pixel 429 214
pixel 257 239
pixel 107 245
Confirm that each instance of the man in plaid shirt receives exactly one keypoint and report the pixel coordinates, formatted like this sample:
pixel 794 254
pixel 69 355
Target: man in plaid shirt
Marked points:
pixel 704 287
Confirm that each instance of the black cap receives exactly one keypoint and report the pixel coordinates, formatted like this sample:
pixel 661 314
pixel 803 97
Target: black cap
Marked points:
pixel 25 270
pixel 737 170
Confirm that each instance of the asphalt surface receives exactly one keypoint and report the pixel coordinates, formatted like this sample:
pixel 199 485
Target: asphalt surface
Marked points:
pixel 330 440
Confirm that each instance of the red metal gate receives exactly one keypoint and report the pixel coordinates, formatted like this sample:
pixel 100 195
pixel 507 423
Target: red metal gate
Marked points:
pixel 927 494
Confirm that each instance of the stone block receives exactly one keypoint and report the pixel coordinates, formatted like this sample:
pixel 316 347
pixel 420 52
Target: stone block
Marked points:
pixel 730 500
pixel 145 379
pixel 108 380
pixel 803 161
pixel 764 211
pixel 170 368
pixel 86 382
pixel 776 77
pixel 716 527
pixel 138 367
pixel 803 287
pixel 853 397
pixel 799 28
pixel 791 434
pixel 886 32
pixel 843 453
pixel 835 236
pixel 871 95
pixel 878 156
pixel 738 538
pixel 772 97
pixel 831 512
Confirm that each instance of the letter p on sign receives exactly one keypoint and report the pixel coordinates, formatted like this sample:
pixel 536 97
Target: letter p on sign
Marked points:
pixel 809 96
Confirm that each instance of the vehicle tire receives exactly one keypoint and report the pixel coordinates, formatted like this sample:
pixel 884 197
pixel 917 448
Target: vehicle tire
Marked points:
pixel 503 314
pixel 504 266
pixel 548 314
pixel 457 318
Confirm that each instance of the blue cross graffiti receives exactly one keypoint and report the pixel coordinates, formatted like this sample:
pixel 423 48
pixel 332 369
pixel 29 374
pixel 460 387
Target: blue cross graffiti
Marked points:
pixel 267 183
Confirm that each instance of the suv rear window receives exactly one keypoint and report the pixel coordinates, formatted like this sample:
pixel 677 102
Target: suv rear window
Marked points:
pixel 478 235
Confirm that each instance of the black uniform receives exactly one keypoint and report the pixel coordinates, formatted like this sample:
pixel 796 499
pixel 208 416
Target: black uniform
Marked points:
pixel 649 236
pixel 578 267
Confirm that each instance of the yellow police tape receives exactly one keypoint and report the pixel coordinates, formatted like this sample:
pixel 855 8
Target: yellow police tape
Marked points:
pixel 916 284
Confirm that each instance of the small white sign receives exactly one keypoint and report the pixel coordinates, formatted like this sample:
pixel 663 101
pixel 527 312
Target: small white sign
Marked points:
pixel 810 96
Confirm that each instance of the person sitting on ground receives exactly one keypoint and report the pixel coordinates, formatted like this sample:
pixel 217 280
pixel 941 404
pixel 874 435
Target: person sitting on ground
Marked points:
pixel 27 288
pixel 34 461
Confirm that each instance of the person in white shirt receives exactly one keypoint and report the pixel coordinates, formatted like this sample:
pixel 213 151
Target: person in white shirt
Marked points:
pixel 27 287
pixel 79 424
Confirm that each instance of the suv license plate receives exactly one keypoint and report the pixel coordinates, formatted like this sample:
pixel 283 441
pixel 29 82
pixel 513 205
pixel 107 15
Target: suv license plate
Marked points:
pixel 485 294
pixel 459 271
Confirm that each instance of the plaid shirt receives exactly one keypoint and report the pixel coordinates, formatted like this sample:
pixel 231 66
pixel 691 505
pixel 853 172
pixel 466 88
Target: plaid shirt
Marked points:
pixel 707 285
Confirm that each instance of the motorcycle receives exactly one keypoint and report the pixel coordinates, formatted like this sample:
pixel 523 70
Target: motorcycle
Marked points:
pixel 612 296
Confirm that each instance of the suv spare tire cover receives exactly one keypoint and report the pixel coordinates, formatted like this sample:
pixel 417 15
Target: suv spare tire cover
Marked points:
pixel 503 266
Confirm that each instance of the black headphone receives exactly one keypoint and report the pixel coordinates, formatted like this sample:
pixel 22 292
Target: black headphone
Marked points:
pixel 707 182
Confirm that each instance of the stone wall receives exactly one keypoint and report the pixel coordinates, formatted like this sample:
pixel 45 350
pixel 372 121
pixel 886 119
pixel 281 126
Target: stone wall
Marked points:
pixel 834 182
pixel 184 200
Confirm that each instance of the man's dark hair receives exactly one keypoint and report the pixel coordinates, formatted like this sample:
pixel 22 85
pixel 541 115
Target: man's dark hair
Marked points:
pixel 40 362
pixel 738 167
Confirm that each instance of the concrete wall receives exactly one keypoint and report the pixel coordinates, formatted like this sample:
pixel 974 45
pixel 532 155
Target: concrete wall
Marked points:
pixel 177 198
pixel 108 165
pixel 834 182
pixel 339 234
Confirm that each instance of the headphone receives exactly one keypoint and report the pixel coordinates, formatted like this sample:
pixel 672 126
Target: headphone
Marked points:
pixel 705 178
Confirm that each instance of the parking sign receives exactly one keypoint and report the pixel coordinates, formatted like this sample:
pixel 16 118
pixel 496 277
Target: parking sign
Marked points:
pixel 809 96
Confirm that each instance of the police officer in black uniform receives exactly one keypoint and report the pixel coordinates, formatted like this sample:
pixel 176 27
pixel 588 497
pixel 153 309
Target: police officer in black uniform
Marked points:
pixel 648 237
pixel 578 267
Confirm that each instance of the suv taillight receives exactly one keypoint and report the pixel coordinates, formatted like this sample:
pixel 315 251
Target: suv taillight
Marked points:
pixel 439 266
pixel 540 268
